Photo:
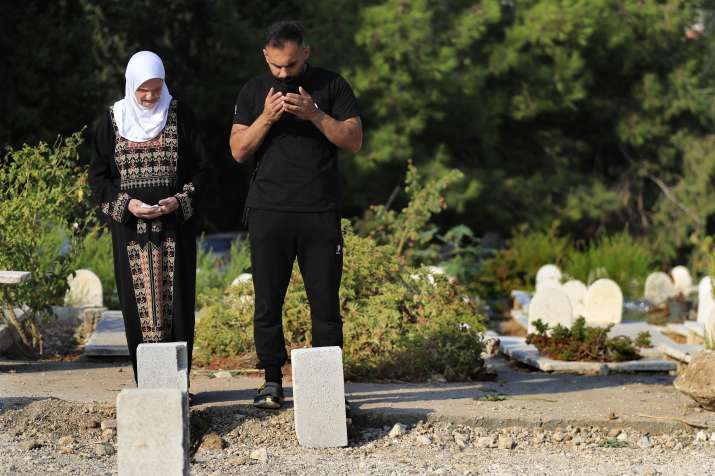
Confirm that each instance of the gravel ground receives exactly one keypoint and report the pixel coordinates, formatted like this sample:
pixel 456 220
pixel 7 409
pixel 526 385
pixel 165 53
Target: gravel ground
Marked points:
pixel 76 439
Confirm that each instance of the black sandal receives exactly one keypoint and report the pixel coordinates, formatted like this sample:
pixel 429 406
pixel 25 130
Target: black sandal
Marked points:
pixel 269 396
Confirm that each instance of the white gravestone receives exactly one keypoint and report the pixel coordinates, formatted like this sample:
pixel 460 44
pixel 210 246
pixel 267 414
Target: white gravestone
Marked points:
pixel 163 365
pixel 682 280
pixel 576 291
pixel 152 432
pixel 242 278
pixel 547 275
pixel 706 302
pixel 659 288
pixel 85 289
pixel 319 397
pixel 603 303
pixel 552 306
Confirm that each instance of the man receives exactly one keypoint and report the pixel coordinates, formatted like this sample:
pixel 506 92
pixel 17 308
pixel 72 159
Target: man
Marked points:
pixel 293 119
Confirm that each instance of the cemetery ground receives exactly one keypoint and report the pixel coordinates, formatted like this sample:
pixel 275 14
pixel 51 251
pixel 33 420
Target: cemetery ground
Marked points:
pixel 59 416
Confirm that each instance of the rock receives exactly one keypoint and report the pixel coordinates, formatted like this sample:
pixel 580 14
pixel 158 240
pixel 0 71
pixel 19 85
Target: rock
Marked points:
pixel 506 443
pixel 460 440
pixel 622 436
pixel 424 440
pixel 577 441
pixel 223 374
pixel 698 379
pixel 66 441
pixel 701 436
pixel 439 378
pixel 212 442
pixel 107 435
pixel 238 461
pixel 28 445
pixel 645 442
pixel 614 433
pixel 398 430
pixel 649 471
pixel 103 449
pixel 491 346
pixel 90 423
pixel 487 442
pixel 558 437
pixel 260 455
pixel 108 424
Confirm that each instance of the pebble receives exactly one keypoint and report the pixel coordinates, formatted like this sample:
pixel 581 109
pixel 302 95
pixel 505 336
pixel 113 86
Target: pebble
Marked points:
pixel 90 423
pixel 223 374
pixel 103 449
pixel 260 455
pixel 460 440
pixel 28 445
pixel 398 430
pixel 558 437
pixel 486 442
pixel 107 424
pixel 212 442
pixel 622 436
pixel 701 436
pixel 645 442
pixel 238 461
pixel 424 440
pixel 506 443
pixel 614 432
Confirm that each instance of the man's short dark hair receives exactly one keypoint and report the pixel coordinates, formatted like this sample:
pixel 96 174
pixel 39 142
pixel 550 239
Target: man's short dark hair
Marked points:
pixel 284 31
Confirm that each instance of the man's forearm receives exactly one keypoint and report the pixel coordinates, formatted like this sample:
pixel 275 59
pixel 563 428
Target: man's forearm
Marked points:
pixel 344 134
pixel 246 141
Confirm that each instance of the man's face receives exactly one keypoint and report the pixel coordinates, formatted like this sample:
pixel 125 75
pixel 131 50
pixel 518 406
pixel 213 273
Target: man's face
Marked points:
pixel 149 92
pixel 286 62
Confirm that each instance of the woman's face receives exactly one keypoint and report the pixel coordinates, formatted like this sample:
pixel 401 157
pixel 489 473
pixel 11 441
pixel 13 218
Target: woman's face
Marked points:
pixel 149 92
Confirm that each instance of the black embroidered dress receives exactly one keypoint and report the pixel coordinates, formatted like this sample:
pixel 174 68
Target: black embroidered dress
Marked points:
pixel 154 260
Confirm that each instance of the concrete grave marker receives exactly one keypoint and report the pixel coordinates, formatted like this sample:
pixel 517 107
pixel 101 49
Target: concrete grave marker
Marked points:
pixel 576 291
pixel 547 275
pixel 152 432
pixel 603 303
pixel 163 365
pixel 682 280
pixel 85 289
pixel 552 306
pixel 659 288
pixel 319 397
pixel 706 302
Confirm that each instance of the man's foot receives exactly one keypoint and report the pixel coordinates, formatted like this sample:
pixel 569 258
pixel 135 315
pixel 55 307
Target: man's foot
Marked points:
pixel 192 397
pixel 269 396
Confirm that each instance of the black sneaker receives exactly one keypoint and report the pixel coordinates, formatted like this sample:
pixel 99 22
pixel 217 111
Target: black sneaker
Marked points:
pixel 269 396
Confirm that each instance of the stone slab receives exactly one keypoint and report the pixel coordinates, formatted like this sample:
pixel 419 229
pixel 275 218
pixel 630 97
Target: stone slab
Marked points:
pixel 319 397
pixel 152 432
pixel 679 329
pixel 698 328
pixel 163 365
pixel 517 349
pixel 14 277
pixel 109 338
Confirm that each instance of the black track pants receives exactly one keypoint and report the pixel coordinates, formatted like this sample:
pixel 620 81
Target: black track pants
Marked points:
pixel 277 238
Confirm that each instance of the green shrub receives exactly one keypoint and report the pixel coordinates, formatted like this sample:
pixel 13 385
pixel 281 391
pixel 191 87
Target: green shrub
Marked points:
pixel 214 274
pixel 42 200
pixel 618 257
pixel 96 255
pixel 585 343
pixel 399 322
pixel 515 267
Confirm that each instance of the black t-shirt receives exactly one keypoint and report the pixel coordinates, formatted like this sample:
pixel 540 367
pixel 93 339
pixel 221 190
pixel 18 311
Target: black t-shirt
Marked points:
pixel 296 165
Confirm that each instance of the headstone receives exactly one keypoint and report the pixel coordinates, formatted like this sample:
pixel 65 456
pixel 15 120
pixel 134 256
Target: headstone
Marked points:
pixel 552 306
pixel 682 280
pixel 603 303
pixel 548 283
pixel 706 302
pixel 242 278
pixel 14 277
pixel 163 365
pixel 85 289
pixel 659 288
pixel 576 291
pixel 548 272
pixel 152 432
pixel 319 397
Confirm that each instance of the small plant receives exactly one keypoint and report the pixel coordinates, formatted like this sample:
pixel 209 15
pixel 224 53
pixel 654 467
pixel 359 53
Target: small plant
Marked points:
pixel 43 197
pixel 612 442
pixel 214 274
pixel 491 398
pixel 585 343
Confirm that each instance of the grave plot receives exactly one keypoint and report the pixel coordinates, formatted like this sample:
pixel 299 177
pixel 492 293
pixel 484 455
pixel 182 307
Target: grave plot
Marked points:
pixel 602 304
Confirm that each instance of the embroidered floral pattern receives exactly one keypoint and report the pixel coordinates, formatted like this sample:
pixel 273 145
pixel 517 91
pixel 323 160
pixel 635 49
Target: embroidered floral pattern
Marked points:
pixel 156 226
pixel 116 209
pixel 151 163
pixel 152 269
pixel 184 198
pixel 141 227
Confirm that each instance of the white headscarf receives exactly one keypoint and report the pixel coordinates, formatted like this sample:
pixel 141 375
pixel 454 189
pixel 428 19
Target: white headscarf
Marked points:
pixel 134 121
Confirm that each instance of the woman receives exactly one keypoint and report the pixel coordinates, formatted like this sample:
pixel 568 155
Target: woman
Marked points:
pixel 146 171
